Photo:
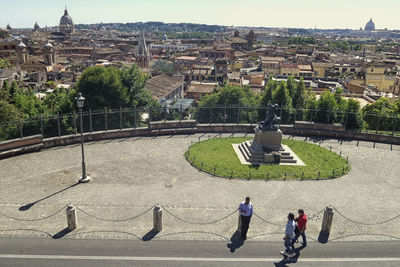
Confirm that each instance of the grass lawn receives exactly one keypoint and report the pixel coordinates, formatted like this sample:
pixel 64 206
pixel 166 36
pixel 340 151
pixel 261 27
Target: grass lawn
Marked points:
pixel 217 157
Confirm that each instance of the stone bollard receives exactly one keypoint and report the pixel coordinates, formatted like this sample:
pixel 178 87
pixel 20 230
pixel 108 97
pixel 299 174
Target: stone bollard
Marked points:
pixel 157 218
pixel 327 221
pixel 71 217
pixel 240 223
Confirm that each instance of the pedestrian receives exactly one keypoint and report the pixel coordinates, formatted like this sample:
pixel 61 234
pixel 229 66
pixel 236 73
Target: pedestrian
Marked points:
pixel 245 210
pixel 301 226
pixel 289 234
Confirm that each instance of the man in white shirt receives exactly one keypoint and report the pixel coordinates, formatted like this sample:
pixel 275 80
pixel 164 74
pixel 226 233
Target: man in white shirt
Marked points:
pixel 245 210
pixel 289 235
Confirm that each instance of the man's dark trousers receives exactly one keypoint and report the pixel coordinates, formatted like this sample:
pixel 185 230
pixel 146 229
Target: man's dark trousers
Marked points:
pixel 245 225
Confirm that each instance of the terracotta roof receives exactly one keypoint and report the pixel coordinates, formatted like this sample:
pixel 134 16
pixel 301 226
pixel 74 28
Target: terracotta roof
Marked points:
pixel 162 85
pixel 204 88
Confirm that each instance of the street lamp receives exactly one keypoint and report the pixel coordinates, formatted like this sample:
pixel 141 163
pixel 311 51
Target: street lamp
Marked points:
pixel 80 101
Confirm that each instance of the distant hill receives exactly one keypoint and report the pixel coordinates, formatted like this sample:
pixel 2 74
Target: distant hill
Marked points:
pixel 153 26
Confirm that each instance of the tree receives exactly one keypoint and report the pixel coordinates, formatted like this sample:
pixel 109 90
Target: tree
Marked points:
pixel 8 112
pixel 229 95
pixel 266 97
pixel 299 95
pixel 61 101
pixel 326 105
pixel 283 99
pixel 380 115
pixel 354 120
pixel 291 85
pixel 102 88
pixel 282 96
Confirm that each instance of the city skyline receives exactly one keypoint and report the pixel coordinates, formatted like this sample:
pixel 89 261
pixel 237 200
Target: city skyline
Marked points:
pixel 254 13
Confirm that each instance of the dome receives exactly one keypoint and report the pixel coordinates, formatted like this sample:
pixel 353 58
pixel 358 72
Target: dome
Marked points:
pixel 370 26
pixel 164 37
pixel 21 45
pixel 48 45
pixel 66 19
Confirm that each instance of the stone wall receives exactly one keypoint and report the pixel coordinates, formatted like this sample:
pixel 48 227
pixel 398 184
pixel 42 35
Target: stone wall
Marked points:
pixel 34 143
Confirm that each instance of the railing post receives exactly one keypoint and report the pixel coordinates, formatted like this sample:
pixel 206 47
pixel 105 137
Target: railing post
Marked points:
pixel 135 120
pixel 90 120
pixel 74 117
pixel 210 115
pixel 281 112
pixel 238 116
pixel 224 113
pixel 312 116
pixel 394 124
pixel 72 220
pixel 41 126
pixel 362 121
pixel 120 118
pixel 20 124
pixel 157 218
pixel 377 127
pixel 58 124
pixel 346 119
pixel 181 113
pixel 105 120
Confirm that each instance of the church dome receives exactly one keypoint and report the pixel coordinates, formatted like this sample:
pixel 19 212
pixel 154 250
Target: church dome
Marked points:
pixel 48 45
pixel 66 19
pixel 21 45
pixel 370 26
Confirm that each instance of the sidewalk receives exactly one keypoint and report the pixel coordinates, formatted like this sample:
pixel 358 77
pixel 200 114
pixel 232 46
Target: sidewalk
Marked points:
pixel 132 175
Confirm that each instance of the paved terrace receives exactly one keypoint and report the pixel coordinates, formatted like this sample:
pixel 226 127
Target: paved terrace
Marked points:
pixel 131 175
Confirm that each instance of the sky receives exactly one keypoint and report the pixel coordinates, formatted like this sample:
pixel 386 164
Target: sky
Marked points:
pixel 322 14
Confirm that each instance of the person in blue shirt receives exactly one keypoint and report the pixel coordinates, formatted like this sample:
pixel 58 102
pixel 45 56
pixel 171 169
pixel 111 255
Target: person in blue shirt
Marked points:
pixel 245 210
pixel 289 235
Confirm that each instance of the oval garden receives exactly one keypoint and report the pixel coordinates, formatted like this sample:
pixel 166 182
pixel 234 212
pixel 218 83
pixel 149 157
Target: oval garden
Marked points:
pixel 217 157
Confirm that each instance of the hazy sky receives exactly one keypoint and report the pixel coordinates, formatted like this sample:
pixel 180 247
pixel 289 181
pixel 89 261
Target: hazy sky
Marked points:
pixel 351 14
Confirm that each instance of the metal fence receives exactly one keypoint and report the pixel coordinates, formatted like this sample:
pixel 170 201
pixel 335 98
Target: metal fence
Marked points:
pixel 104 120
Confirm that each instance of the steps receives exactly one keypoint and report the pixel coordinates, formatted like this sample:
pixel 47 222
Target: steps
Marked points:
pixel 255 155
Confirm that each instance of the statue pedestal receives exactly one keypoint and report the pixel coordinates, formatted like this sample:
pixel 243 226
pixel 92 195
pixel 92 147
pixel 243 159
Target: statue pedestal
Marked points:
pixel 268 140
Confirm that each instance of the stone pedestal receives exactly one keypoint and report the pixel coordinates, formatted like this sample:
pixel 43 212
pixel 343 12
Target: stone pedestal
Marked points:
pixel 268 140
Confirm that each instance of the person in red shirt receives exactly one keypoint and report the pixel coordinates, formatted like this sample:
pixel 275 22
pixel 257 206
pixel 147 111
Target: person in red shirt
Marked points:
pixel 301 226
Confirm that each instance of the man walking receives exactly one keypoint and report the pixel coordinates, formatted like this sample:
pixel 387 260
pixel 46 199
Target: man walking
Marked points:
pixel 245 210
pixel 289 234
pixel 302 226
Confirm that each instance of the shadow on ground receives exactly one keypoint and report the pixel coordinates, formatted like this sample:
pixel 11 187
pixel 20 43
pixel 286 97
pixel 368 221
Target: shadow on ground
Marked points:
pixel 150 235
pixel 285 261
pixel 236 241
pixel 30 205
pixel 62 233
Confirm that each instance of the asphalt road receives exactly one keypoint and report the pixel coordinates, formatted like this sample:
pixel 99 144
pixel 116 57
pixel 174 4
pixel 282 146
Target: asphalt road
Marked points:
pixel 73 252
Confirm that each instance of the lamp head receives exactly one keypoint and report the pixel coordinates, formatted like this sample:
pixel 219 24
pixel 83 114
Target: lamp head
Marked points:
pixel 80 100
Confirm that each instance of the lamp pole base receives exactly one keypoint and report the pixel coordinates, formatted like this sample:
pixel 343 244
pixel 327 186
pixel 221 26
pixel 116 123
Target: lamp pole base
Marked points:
pixel 85 179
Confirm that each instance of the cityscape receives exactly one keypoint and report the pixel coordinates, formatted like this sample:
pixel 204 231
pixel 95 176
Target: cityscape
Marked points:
pixel 182 143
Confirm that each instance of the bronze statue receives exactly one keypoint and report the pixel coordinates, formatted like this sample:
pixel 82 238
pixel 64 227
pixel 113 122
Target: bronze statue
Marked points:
pixel 271 122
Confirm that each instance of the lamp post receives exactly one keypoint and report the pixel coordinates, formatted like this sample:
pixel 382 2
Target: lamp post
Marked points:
pixel 80 101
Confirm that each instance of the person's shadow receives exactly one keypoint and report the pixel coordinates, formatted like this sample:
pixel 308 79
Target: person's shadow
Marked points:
pixel 236 241
pixel 285 261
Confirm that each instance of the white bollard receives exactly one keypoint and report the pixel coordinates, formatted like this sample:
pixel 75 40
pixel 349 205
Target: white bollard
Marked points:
pixel 327 221
pixel 71 218
pixel 157 218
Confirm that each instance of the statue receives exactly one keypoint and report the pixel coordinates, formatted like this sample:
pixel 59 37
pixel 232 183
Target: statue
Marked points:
pixel 271 122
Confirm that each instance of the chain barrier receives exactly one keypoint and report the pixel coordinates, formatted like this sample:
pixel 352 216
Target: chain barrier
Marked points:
pixel 109 220
pixel 199 223
pixel 33 220
pixel 363 223
pixel 264 220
